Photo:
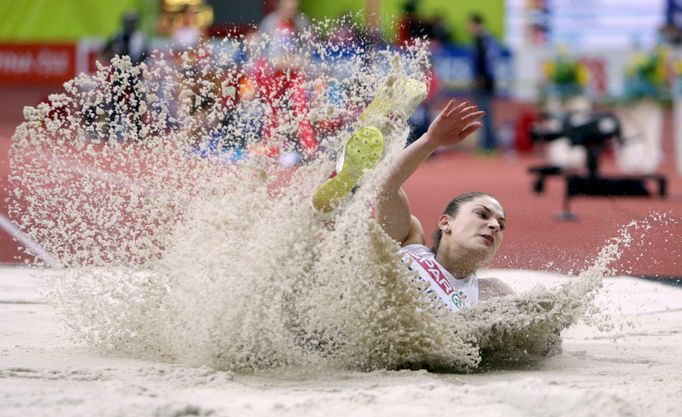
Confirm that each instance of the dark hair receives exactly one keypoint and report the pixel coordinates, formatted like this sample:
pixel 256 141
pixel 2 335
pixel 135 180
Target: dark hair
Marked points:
pixel 476 18
pixel 452 209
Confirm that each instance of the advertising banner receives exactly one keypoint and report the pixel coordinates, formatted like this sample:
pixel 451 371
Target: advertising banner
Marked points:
pixel 37 63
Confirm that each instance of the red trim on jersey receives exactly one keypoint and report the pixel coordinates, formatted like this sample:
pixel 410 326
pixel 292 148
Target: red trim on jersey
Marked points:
pixel 434 270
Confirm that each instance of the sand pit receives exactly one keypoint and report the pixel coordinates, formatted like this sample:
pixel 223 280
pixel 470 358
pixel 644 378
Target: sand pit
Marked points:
pixel 632 370
pixel 197 280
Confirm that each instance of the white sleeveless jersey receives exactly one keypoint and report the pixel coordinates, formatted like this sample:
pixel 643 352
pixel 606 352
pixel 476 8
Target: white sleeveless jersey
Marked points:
pixel 455 293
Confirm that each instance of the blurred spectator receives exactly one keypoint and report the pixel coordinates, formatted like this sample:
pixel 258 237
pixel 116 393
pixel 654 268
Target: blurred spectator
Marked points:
pixel 485 51
pixel 282 26
pixel 128 41
pixel 408 26
pixel 375 37
pixel 350 36
pixel 186 33
pixel 423 115
pixel 412 26
pixel 440 30
pixel 345 32
pixel 280 79
pixel 124 101
pixel 539 21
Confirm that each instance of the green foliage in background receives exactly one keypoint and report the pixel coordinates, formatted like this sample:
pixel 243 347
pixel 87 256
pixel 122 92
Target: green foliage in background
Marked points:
pixel 454 12
pixel 68 20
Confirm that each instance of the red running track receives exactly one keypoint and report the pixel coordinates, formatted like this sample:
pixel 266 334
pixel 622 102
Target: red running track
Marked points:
pixel 534 239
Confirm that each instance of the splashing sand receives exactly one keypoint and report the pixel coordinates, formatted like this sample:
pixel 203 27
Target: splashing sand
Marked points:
pixel 160 188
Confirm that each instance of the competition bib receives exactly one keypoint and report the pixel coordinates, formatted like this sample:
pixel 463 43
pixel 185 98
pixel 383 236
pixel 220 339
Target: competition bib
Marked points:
pixel 434 271
pixel 456 297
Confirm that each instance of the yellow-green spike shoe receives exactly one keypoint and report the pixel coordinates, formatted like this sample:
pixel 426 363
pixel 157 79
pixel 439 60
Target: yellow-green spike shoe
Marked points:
pixel 398 96
pixel 362 152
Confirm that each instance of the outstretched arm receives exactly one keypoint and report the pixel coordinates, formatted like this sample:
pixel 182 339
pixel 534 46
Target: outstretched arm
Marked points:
pixel 454 123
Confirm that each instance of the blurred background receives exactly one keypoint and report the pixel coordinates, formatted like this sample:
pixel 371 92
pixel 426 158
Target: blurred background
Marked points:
pixel 584 102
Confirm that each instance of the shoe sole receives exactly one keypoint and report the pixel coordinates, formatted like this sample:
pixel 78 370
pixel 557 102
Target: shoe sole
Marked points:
pixel 362 152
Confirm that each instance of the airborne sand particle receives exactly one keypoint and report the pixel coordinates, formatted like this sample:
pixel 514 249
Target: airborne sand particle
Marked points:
pixel 185 240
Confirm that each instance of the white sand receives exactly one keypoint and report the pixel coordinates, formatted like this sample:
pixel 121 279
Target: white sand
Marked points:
pixel 227 265
pixel 43 373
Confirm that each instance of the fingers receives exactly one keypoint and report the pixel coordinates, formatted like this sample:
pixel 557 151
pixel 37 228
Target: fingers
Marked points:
pixel 449 107
pixel 470 117
pixel 455 109
pixel 463 109
pixel 465 113
pixel 469 129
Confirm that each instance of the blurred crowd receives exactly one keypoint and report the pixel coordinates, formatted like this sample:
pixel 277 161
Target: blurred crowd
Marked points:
pixel 280 71
pixel 566 77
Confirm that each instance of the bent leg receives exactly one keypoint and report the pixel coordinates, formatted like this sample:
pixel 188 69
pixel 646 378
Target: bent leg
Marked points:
pixel 362 152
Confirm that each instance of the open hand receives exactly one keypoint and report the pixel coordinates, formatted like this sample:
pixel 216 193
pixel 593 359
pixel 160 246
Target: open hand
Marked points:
pixel 454 123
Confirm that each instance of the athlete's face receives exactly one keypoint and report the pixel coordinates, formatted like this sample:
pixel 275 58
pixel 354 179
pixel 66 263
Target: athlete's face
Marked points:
pixel 478 227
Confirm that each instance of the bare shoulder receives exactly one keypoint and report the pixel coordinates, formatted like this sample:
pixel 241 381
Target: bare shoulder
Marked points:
pixel 493 287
